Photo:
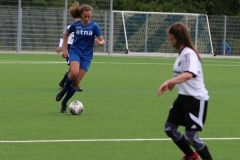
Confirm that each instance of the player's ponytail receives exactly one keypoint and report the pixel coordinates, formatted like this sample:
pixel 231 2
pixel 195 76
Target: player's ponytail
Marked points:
pixel 75 10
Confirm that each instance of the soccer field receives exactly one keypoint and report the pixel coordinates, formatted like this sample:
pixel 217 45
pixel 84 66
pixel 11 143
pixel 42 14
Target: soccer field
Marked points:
pixel 123 119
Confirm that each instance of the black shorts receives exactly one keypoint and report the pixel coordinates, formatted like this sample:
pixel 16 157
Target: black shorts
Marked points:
pixel 67 59
pixel 189 112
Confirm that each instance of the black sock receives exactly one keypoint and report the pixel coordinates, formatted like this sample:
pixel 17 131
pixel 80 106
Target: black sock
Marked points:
pixel 64 78
pixel 184 146
pixel 70 93
pixel 204 153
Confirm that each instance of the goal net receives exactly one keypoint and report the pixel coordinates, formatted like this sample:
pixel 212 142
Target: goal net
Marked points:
pixel 147 31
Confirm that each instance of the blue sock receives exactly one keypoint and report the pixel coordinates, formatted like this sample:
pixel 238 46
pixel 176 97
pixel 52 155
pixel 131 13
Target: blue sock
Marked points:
pixel 68 84
pixel 69 95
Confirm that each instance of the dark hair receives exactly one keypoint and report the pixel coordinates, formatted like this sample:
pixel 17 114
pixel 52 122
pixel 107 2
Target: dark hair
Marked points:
pixel 85 8
pixel 75 10
pixel 181 34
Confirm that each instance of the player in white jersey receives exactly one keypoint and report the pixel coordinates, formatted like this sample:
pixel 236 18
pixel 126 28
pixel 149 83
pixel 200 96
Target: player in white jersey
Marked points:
pixel 190 107
pixel 70 39
pixel 81 51
pixel 59 50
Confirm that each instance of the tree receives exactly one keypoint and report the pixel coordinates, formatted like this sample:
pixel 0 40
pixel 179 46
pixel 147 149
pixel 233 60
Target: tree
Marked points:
pixel 210 7
pixel 185 6
pixel 138 5
pixel 229 7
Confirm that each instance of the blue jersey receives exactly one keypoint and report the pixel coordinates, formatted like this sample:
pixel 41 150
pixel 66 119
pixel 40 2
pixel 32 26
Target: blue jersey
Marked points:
pixel 84 36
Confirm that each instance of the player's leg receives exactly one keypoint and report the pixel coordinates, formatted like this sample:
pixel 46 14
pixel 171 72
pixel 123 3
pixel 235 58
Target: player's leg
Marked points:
pixel 200 147
pixel 197 111
pixel 78 88
pixel 179 139
pixel 62 82
pixel 83 68
pixel 79 78
pixel 176 117
pixel 73 88
pixel 74 69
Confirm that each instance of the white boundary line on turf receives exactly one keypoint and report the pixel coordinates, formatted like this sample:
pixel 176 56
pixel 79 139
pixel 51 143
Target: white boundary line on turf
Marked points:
pixel 115 63
pixel 105 140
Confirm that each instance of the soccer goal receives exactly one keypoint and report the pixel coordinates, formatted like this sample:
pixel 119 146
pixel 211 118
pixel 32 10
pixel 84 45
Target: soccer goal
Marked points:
pixel 147 31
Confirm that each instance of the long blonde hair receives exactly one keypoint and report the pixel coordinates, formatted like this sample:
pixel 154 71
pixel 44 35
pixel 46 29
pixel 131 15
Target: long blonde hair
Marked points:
pixel 181 34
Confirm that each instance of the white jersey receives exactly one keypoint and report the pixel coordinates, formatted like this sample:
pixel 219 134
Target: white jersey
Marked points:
pixel 187 61
pixel 70 37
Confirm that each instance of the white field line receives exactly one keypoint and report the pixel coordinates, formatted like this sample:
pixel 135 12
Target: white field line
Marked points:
pixel 121 63
pixel 103 140
pixel 28 62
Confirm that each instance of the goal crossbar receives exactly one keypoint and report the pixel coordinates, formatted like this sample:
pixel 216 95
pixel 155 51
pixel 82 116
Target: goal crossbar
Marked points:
pixel 137 31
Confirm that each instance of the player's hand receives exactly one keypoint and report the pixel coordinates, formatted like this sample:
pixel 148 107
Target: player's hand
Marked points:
pixel 171 87
pixel 59 50
pixel 64 53
pixel 163 88
pixel 96 40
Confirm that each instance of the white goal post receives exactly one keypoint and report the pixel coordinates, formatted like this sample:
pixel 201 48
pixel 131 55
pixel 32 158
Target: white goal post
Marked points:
pixel 147 31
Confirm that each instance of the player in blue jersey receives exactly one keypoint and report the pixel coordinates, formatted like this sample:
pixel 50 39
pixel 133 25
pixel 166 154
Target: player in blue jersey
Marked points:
pixel 80 53
pixel 75 13
pixel 59 50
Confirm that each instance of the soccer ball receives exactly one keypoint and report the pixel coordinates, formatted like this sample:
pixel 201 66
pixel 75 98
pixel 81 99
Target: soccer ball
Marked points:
pixel 76 107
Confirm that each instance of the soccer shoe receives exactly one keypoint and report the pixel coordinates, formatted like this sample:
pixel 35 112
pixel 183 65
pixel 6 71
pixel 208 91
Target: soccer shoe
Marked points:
pixel 79 89
pixel 195 156
pixel 63 108
pixel 60 95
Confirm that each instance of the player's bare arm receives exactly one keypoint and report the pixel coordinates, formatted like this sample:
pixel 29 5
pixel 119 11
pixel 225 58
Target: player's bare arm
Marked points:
pixel 169 84
pixel 181 78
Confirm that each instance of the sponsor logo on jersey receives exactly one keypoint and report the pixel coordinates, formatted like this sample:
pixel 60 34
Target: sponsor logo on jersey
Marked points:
pixel 84 33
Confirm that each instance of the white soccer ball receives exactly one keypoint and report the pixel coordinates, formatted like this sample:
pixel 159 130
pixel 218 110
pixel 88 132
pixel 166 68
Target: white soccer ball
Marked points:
pixel 76 107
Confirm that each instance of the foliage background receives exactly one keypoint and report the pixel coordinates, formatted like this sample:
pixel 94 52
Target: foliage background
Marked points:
pixel 209 7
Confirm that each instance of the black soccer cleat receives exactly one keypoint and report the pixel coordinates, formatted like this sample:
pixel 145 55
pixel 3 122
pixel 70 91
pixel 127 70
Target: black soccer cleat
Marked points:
pixel 63 108
pixel 79 89
pixel 60 95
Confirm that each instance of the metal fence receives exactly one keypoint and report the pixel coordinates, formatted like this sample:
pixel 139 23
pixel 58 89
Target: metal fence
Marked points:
pixel 225 28
pixel 138 29
pixel 34 26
